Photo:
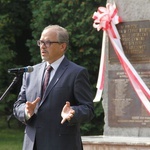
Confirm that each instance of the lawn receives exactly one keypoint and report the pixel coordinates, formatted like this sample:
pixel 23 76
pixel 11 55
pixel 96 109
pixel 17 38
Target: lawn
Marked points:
pixel 10 138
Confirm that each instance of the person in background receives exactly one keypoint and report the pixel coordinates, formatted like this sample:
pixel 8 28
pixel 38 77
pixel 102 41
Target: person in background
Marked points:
pixel 53 113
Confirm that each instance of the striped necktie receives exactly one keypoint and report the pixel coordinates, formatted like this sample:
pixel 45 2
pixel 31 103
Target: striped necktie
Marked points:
pixel 47 77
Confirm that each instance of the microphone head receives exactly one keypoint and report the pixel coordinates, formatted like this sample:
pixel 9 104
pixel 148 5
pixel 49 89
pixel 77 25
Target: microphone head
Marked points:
pixel 20 70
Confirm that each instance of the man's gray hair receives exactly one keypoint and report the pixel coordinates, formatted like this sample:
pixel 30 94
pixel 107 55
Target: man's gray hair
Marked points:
pixel 62 33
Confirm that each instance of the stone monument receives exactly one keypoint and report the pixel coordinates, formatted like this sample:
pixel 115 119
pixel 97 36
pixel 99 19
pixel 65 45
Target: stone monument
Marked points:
pixel 127 121
pixel 125 114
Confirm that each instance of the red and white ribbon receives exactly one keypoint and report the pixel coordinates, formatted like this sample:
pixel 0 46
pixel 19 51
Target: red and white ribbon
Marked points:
pixel 106 19
pixel 100 81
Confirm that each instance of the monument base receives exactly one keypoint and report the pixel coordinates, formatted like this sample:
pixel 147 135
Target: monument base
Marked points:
pixel 115 143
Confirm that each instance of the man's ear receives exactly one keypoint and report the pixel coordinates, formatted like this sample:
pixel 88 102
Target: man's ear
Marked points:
pixel 63 46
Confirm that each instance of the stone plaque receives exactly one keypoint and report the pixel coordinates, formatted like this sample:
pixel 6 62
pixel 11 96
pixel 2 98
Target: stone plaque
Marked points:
pixel 135 39
pixel 124 107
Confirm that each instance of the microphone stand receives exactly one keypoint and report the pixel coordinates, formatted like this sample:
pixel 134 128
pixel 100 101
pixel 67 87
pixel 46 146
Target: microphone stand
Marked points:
pixel 15 80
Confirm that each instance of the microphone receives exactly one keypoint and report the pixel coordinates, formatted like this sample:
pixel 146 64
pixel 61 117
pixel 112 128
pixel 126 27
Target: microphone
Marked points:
pixel 21 70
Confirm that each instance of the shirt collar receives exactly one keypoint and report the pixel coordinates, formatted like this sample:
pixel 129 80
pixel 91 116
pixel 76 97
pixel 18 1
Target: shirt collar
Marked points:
pixel 56 63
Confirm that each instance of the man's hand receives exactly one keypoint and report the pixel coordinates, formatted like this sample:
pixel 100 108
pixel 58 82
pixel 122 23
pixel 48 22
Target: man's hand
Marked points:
pixel 67 112
pixel 30 106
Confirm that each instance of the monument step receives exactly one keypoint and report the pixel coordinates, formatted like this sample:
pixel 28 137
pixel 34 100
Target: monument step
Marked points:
pixel 115 143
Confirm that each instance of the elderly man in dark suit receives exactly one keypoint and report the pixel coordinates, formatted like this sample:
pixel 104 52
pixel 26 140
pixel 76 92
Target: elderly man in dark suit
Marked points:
pixel 53 111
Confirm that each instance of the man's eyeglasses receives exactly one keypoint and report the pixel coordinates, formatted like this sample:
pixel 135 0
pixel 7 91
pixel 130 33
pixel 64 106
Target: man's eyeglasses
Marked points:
pixel 46 43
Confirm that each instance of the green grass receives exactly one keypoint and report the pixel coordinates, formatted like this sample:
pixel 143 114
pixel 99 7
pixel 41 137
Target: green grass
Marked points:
pixel 10 138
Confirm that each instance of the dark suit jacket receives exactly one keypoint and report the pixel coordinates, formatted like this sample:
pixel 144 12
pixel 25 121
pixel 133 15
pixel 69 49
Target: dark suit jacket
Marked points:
pixel 70 83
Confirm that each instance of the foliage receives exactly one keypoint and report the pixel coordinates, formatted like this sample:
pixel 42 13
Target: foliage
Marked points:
pixel 7 54
pixel 14 20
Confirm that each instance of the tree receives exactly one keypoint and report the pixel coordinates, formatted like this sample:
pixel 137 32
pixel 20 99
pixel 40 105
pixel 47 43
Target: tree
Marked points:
pixel 14 30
